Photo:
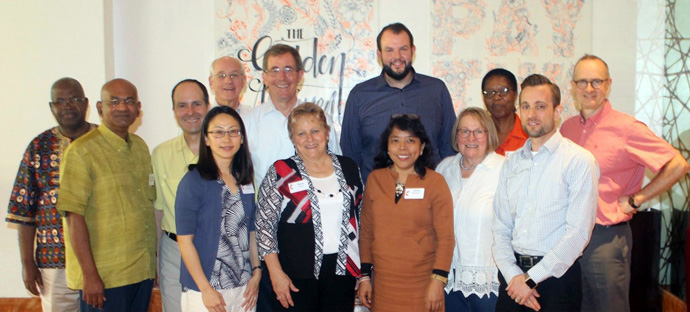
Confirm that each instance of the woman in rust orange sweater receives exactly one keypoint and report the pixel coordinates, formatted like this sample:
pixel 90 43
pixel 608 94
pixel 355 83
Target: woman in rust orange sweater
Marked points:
pixel 406 239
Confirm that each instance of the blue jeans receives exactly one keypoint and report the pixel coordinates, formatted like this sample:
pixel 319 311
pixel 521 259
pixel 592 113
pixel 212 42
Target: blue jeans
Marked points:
pixel 456 301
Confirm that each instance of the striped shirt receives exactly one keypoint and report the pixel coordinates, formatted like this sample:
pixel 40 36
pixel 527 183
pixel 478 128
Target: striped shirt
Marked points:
pixel 545 205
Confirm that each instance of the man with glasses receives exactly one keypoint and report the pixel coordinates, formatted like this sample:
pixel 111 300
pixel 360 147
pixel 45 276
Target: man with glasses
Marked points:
pixel 227 81
pixel 170 161
pixel 544 209
pixel 499 89
pixel 107 194
pixel 267 123
pixel 34 197
pixel 624 147
pixel 398 90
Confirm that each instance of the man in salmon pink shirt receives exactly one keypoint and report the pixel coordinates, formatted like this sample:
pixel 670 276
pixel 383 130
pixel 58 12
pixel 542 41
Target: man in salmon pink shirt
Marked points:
pixel 623 147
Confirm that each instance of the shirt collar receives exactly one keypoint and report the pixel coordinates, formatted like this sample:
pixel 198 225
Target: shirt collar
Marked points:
pixel 267 106
pixel 517 131
pixel 381 82
pixel 549 147
pixel 115 140
pixel 182 147
pixel 596 118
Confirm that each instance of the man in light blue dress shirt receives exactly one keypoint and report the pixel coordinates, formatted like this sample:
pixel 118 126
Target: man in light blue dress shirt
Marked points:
pixel 545 207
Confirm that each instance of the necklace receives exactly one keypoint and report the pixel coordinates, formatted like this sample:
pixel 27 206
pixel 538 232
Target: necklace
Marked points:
pixel 466 168
pixel 399 188
pixel 329 195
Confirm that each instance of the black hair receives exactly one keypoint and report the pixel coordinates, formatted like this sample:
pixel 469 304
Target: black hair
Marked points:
pixel 502 73
pixel 241 167
pixel 199 84
pixel 413 125
pixel 396 28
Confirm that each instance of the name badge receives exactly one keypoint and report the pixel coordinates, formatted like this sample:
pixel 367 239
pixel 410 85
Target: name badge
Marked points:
pixel 248 189
pixel 298 186
pixel 152 180
pixel 414 193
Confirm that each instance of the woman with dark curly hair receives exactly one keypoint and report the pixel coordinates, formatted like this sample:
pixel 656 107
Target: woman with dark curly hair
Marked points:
pixel 406 240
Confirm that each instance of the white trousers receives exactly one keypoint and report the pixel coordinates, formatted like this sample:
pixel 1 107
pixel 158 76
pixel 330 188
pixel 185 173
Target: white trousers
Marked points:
pixel 169 274
pixel 55 295
pixel 192 301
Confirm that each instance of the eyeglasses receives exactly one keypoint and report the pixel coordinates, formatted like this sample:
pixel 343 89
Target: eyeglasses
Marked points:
pixel 501 91
pixel 233 76
pixel 408 116
pixel 275 71
pixel 233 133
pixel 596 83
pixel 116 102
pixel 62 102
pixel 465 133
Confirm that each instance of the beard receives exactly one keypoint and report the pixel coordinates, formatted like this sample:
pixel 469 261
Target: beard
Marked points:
pixel 397 76
pixel 538 132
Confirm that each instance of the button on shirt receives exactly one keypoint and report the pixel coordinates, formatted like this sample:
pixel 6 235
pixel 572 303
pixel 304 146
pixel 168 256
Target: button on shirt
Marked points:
pixel 371 104
pixel 269 140
pixel 106 179
pixel 545 205
pixel 623 147
pixel 170 160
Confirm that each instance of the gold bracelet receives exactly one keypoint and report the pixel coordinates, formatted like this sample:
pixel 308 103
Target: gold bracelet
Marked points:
pixel 443 280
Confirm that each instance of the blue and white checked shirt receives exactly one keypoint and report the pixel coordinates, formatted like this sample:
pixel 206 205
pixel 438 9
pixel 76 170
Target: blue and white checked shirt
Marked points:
pixel 545 205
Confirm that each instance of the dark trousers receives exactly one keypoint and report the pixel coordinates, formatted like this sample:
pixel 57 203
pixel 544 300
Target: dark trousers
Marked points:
pixel 457 302
pixel 129 298
pixel 606 269
pixel 329 293
pixel 557 294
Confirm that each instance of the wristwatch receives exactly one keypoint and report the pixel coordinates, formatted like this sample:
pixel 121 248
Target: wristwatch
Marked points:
pixel 443 280
pixel 631 202
pixel 530 282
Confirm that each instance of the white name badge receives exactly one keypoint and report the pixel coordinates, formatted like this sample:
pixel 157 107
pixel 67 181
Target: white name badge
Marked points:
pixel 414 193
pixel 152 180
pixel 298 186
pixel 248 188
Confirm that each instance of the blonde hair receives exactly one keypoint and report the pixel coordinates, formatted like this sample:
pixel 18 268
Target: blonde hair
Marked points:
pixel 308 108
pixel 484 120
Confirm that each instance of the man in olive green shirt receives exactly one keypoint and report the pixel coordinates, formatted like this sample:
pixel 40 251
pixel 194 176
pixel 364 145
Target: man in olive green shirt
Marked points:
pixel 171 160
pixel 106 196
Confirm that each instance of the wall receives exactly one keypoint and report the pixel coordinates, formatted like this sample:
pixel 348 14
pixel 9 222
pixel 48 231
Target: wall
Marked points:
pixel 158 43
pixel 40 42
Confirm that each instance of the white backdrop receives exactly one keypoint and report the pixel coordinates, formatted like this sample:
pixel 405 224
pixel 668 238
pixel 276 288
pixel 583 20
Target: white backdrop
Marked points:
pixel 157 43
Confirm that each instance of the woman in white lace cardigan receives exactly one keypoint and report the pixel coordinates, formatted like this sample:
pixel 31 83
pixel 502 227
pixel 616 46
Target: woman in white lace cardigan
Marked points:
pixel 472 176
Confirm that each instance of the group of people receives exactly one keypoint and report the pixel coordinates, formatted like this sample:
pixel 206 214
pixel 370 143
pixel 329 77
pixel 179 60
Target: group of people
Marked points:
pixel 410 208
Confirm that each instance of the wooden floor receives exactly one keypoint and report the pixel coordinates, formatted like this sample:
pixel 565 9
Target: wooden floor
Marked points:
pixel 34 304
pixel 670 303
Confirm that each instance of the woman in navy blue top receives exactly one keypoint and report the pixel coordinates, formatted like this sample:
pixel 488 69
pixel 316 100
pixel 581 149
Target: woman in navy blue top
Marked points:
pixel 214 214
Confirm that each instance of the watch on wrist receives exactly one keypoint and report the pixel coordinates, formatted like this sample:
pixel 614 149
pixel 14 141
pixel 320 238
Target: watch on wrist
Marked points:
pixel 530 282
pixel 631 202
pixel 443 280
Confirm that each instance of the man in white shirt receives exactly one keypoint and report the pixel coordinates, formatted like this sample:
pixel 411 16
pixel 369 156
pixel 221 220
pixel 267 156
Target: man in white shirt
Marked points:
pixel 545 207
pixel 267 123
pixel 227 81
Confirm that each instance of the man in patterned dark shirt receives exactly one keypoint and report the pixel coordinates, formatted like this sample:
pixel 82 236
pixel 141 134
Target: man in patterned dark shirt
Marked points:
pixel 34 196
